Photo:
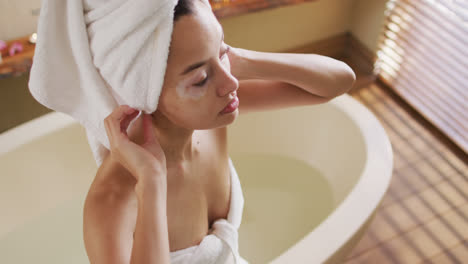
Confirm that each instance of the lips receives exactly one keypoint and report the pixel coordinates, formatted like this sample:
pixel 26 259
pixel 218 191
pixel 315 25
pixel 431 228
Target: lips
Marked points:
pixel 232 105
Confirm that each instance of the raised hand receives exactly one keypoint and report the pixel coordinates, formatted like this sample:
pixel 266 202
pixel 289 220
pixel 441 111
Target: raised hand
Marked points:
pixel 146 160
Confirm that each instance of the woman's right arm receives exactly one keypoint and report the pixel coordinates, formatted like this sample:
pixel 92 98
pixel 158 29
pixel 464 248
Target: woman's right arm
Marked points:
pixel 127 223
pixel 151 242
pixel 122 227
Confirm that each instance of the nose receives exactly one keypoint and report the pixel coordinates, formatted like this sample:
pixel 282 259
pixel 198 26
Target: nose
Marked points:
pixel 228 83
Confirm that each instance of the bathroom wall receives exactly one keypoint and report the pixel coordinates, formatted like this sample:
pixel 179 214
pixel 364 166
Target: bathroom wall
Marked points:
pixel 16 18
pixel 367 20
pixel 285 28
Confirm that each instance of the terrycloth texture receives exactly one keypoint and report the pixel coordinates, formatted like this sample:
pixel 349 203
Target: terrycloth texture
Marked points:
pixel 221 245
pixel 93 55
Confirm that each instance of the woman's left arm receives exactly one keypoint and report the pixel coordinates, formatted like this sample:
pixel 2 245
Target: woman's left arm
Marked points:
pixel 316 74
pixel 274 80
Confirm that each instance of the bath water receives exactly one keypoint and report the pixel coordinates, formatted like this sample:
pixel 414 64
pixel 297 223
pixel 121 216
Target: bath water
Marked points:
pixel 53 237
pixel 284 200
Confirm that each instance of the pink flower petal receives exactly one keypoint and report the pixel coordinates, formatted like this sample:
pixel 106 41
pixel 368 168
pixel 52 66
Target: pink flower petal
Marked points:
pixel 3 45
pixel 16 48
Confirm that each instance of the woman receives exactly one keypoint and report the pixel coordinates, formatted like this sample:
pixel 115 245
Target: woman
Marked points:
pixel 177 169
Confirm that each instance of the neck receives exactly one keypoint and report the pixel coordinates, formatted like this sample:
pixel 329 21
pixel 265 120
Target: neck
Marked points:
pixel 175 141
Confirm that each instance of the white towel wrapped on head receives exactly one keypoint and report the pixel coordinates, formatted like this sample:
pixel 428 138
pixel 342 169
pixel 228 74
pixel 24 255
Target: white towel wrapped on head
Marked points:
pixel 93 55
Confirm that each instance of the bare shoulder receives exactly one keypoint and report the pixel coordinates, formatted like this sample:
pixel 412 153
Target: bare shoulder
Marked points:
pixel 109 216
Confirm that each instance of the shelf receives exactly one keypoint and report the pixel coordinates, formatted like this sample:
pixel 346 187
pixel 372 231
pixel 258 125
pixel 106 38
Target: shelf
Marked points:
pixel 19 63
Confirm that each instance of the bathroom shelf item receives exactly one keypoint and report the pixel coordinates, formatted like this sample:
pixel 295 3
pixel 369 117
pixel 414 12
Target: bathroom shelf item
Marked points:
pixel 19 63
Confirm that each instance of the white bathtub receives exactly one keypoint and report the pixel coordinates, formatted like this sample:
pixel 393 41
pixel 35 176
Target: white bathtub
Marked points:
pixel 312 178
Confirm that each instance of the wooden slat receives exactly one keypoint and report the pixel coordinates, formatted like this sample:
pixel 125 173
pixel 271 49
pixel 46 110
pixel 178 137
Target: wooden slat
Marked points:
pixel 449 92
pixel 436 99
pixel 419 87
pixel 412 83
pixel 451 24
pixel 423 57
pixel 445 35
pixel 428 32
pixel 450 102
pixel 455 80
pixel 451 86
pixel 429 114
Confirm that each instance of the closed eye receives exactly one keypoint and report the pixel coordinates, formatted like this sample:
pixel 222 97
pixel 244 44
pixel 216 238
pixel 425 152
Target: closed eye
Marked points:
pixel 202 82
pixel 206 79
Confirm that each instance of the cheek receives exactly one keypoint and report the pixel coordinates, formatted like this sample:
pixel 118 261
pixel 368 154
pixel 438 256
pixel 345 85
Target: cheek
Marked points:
pixel 185 91
pixel 196 93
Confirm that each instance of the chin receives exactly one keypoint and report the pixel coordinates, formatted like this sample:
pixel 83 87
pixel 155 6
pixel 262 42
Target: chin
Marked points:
pixel 229 118
pixel 220 121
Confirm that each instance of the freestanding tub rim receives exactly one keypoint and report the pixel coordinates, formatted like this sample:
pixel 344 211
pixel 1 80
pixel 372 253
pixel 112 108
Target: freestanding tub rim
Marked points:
pixel 343 223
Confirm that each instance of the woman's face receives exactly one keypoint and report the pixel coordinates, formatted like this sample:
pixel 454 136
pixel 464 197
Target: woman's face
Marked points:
pixel 198 83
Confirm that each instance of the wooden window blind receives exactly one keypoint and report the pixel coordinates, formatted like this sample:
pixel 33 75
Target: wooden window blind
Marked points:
pixel 423 56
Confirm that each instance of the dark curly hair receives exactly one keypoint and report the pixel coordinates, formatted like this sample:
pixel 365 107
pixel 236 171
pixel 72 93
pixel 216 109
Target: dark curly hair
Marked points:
pixel 183 7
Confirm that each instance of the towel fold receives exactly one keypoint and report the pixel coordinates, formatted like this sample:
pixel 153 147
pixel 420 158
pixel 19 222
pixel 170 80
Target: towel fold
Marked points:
pixel 93 55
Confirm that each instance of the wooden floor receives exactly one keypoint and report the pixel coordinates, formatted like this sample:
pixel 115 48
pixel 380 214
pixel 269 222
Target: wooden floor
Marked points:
pixel 423 217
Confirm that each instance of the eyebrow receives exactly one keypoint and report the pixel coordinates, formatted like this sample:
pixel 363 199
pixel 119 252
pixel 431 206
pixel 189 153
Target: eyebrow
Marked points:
pixel 198 64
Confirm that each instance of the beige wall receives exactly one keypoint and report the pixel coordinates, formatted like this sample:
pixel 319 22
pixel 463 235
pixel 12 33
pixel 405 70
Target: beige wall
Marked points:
pixel 293 26
pixel 288 27
pixel 367 21
pixel 16 18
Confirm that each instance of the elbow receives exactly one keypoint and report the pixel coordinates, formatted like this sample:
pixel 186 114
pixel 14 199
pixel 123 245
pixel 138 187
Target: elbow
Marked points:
pixel 344 80
pixel 348 78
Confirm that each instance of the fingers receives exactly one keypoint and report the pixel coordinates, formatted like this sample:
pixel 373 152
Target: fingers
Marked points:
pixel 117 122
pixel 126 121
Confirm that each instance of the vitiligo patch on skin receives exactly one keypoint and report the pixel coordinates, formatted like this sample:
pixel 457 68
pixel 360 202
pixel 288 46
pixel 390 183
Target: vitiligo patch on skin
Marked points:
pixel 186 91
